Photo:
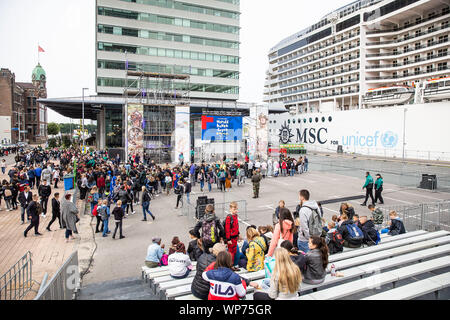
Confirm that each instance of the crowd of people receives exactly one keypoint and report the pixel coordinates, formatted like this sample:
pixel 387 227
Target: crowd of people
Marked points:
pixel 292 251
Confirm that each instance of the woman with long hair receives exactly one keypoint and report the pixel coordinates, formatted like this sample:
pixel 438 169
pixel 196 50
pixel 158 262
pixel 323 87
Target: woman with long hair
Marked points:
pixel 284 230
pixel 285 281
pixel 316 261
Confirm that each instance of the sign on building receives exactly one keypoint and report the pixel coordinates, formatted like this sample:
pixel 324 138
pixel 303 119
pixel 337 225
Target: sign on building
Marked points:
pixel 221 128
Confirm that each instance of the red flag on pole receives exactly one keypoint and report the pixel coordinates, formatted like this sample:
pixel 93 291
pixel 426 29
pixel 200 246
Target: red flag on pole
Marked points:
pixel 40 49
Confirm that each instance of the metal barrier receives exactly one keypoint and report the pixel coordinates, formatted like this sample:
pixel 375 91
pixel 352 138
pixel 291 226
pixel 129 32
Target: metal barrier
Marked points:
pixel 64 284
pixel 17 281
pixel 428 216
pixel 220 209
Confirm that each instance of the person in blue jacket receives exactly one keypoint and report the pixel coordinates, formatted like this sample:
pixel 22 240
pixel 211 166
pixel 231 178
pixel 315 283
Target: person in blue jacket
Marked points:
pixel 368 185
pixel 379 189
pixel 31 177
pixel 37 174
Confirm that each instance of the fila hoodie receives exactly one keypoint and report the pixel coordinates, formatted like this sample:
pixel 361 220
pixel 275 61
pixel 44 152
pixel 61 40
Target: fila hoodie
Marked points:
pixel 224 284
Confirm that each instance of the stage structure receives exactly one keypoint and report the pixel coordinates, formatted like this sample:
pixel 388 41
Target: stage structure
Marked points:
pixel 156 113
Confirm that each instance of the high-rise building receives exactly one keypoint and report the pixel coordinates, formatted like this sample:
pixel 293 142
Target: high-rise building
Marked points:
pixel 198 38
pixel 368 44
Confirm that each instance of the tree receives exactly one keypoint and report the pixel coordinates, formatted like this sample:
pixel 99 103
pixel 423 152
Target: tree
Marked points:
pixel 52 129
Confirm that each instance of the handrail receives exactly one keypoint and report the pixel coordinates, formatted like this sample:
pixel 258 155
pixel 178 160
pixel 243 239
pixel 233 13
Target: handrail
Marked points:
pixel 17 281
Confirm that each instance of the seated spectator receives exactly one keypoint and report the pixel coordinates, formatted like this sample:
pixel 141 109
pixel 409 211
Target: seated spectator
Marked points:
pixel 242 257
pixel 334 239
pixel 356 220
pixel 154 253
pixel 179 263
pixel 298 259
pixel 267 233
pixel 200 287
pixel 255 251
pixel 316 261
pixel 377 216
pixel 284 230
pixel 285 281
pixel 225 284
pixel 371 235
pixel 348 210
pixel 194 250
pixel 173 247
pixel 276 217
pixel 352 235
pixel 396 225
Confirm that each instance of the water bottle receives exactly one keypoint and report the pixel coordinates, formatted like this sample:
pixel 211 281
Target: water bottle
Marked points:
pixel 333 270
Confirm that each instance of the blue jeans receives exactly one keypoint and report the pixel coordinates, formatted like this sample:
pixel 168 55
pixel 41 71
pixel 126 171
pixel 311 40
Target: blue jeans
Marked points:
pixel 188 197
pixel 3 170
pixel 202 185
pixel 292 172
pixel 124 207
pixel 105 227
pixel 209 187
pixel 183 276
pixel 145 209
pixel 22 214
pixel 303 246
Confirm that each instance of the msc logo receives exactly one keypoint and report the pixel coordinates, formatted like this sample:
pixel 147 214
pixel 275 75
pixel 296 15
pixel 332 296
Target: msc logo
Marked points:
pixel 389 139
pixel 285 134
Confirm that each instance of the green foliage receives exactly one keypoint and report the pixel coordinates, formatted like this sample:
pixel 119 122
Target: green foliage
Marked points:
pixel 52 128
pixel 53 143
pixel 66 142
pixel 67 128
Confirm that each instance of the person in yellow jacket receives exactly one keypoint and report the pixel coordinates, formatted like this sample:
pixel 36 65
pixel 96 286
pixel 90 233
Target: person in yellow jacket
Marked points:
pixel 255 252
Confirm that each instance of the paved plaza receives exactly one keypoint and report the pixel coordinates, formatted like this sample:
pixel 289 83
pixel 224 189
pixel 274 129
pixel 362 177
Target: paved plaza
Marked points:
pixel 117 259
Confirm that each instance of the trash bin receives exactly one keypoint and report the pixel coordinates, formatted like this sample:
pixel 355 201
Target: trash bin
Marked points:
pixel 69 182
pixel 429 182
pixel 340 150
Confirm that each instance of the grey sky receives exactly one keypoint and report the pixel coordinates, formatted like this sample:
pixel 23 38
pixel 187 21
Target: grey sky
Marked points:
pixel 66 31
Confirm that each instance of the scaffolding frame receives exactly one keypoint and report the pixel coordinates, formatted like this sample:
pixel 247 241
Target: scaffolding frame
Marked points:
pixel 154 89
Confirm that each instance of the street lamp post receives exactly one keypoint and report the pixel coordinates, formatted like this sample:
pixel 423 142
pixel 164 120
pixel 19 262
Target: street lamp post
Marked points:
pixel 82 125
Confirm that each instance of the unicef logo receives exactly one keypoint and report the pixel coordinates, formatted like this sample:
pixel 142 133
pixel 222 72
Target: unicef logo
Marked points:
pixel 389 139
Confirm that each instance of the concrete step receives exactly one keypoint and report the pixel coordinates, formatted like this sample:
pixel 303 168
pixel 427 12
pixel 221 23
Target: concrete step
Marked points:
pixel 123 289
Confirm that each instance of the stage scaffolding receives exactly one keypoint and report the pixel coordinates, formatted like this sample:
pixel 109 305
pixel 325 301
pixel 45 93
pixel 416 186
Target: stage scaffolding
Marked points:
pixel 156 91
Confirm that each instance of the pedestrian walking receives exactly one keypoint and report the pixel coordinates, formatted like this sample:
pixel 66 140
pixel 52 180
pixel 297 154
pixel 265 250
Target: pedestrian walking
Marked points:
pixel 368 185
pixel 256 180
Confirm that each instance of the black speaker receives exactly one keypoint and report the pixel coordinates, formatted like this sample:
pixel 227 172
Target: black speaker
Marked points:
pixel 429 182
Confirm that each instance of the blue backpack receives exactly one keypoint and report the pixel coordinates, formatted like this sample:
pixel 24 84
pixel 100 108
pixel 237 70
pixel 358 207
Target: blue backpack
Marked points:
pixel 355 233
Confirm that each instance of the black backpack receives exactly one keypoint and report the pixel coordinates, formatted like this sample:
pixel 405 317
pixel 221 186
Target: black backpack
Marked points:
pixel 336 243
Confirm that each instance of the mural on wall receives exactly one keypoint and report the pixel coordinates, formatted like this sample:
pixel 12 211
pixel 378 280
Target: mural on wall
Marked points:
pixel 135 130
pixel 182 132
pixel 262 133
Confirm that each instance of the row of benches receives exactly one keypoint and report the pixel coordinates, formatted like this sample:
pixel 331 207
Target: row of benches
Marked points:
pixel 362 267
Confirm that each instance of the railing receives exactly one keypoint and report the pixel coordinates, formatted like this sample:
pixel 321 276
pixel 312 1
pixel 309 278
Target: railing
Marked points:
pixel 428 216
pixel 220 210
pixel 432 70
pixel 17 281
pixel 420 21
pixel 432 30
pixel 397 53
pixel 431 57
pixel 64 284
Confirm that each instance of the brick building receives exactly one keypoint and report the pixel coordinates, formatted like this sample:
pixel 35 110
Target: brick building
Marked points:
pixel 20 113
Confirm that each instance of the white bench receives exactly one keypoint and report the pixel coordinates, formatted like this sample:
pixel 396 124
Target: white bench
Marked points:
pixel 344 264
pixel 381 246
pixel 376 266
pixel 416 289
pixel 372 282
pixel 146 271
pixel 171 290
pixel 154 285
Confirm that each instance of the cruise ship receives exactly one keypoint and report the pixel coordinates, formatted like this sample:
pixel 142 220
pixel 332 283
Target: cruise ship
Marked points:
pixel 379 55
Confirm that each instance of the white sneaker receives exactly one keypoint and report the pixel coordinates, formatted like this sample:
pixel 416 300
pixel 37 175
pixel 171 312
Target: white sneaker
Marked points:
pixel 134 212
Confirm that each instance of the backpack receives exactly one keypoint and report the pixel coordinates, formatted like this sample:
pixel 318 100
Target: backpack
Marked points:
pixel 355 233
pixel 90 198
pixel 269 265
pixel 314 223
pixel 164 260
pixel 336 243
pixel 94 211
pixel 209 232
pixel 378 216
pixel 8 193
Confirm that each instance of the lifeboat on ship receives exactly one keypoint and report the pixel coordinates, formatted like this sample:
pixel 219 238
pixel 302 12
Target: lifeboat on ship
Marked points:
pixel 437 89
pixel 388 96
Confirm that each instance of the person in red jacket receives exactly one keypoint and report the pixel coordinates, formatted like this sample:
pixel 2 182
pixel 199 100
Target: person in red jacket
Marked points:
pixel 232 229
pixel 101 185
pixel 224 283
